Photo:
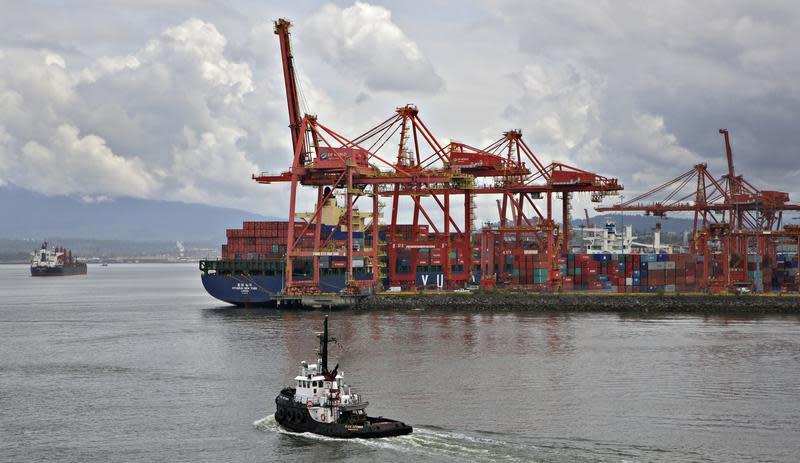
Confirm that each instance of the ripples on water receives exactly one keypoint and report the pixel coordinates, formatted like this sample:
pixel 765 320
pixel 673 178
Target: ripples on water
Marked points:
pixel 137 363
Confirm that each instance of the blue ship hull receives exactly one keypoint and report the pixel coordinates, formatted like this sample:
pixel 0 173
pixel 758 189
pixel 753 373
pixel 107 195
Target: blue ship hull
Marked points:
pixel 243 290
pixel 257 290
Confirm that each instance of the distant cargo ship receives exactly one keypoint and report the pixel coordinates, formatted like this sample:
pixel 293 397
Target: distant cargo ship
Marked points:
pixel 55 262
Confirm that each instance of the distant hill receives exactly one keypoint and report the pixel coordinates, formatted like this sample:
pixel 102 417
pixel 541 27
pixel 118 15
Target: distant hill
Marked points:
pixel 27 215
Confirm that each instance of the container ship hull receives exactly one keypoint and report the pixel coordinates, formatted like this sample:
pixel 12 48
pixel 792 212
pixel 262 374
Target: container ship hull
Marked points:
pixel 243 290
pixel 258 290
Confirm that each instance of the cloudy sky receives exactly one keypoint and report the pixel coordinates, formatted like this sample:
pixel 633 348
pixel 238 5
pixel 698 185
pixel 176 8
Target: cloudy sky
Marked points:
pixel 183 99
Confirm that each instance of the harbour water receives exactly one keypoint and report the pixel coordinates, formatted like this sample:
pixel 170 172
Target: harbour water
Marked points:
pixel 138 363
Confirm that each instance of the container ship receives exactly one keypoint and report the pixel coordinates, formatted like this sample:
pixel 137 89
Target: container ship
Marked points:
pixel 252 267
pixel 251 271
pixel 431 240
pixel 55 262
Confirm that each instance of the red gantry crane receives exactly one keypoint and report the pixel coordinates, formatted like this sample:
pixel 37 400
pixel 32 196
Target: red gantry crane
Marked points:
pixel 732 219
pixel 402 160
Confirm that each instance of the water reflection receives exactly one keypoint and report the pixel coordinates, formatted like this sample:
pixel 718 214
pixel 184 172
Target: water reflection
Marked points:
pixel 584 385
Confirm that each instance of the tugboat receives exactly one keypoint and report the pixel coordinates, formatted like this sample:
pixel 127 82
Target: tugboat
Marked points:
pixel 321 403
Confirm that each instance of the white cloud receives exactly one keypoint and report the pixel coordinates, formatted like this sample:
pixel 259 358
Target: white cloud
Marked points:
pixel 628 90
pixel 70 163
pixel 168 121
pixel 363 42
pixel 559 109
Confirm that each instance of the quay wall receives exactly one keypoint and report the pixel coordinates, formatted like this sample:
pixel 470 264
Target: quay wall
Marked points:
pixel 586 302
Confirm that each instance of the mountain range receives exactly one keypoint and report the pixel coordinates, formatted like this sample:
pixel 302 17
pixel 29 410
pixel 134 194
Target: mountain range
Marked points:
pixel 28 215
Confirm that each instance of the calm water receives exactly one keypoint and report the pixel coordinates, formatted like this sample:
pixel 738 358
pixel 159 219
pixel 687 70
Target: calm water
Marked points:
pixel 137 363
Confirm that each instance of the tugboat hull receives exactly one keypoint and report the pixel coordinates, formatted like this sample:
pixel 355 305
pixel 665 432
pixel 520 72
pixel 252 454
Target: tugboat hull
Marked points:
pixel 295 417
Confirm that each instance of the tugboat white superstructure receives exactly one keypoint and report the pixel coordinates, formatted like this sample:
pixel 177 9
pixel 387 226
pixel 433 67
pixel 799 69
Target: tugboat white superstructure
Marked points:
pixel 320 402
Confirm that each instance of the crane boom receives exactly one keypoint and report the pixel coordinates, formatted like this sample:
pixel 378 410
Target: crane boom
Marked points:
pixel 290 80
pixel 729 156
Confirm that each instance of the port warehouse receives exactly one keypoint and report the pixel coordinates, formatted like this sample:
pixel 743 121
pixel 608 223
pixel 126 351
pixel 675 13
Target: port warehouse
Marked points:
pixel 738 238
pixel 259 248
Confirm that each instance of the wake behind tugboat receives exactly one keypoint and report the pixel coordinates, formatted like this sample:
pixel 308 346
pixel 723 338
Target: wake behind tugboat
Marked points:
pixel 321 403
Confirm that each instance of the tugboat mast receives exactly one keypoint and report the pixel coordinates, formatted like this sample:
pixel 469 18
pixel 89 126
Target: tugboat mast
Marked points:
pixel 323 349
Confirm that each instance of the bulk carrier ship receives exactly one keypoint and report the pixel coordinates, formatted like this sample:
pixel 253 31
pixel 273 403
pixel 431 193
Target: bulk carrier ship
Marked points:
pixel 55 262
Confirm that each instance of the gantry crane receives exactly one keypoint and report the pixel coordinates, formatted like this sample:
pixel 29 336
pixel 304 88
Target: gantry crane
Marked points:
pixel 729 214
pixel 402 160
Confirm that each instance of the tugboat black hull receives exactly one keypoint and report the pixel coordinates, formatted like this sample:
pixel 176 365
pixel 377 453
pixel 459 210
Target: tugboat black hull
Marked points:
pixel 295 417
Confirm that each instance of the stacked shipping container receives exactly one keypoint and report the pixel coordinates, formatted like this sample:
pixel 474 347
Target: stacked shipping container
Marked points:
pixel 629 273
pixel 257 241
pixel 624 273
